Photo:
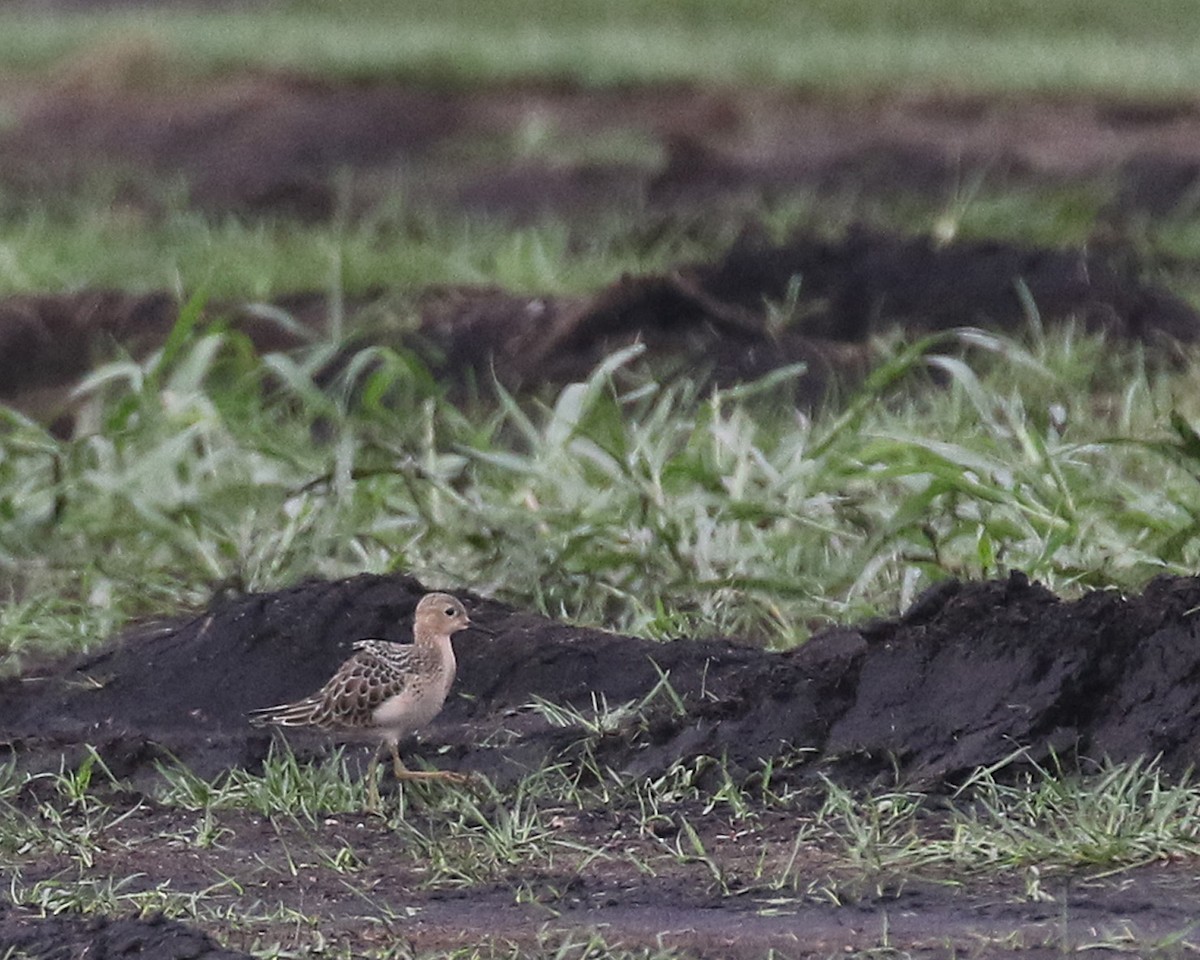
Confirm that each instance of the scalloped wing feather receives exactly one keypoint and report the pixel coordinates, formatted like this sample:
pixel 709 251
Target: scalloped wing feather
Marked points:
pixel 376 673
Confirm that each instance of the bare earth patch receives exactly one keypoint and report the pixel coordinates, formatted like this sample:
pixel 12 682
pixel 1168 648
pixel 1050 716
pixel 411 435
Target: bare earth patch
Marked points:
pixel 280 146
pixel 968 675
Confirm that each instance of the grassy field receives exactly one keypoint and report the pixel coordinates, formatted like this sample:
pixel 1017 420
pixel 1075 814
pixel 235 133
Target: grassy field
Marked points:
pixel 627 500
pixel 88 243
pixel 846 45
pixel 91 241
pixel 618 501
pixel 624 502
pixel 655 509
pixel 240 852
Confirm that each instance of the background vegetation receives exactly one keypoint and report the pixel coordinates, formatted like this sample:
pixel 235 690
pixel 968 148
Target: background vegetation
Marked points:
pixel 628 501
pixel 1148 49
pixel 631 500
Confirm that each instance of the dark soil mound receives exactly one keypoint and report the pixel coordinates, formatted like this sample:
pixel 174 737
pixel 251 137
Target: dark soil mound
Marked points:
pixel 281 144
pixel 717 314
pixel 968 675
pixel 712 317
pixel 105 938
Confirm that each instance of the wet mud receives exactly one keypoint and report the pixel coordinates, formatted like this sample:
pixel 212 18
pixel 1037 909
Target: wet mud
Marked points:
pixel 971 675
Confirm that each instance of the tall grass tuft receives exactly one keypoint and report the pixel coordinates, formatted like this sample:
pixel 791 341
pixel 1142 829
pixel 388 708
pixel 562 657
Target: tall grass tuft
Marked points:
pixel 643 505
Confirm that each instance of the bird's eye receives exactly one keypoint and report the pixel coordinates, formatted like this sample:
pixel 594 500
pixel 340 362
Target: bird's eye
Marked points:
pixel 449 611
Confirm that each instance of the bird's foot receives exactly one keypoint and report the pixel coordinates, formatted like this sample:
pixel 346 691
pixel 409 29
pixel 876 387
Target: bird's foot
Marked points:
pixel 372 780
pixel 449 776
pixel 373 805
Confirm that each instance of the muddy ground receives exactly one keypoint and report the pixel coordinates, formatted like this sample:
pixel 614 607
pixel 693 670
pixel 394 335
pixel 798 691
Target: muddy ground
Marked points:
pixel 278 146
pixel 968 675
pixel 965 677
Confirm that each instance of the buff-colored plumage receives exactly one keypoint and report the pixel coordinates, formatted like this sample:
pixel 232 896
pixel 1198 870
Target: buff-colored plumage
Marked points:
pixel 386 690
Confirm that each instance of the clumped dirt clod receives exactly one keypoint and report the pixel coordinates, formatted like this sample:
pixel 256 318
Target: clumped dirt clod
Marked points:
pixel 709 317
pixel 967 675
pixel 102 938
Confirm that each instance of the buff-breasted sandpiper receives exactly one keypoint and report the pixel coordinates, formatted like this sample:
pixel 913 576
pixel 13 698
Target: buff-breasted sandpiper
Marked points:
pixel 386 690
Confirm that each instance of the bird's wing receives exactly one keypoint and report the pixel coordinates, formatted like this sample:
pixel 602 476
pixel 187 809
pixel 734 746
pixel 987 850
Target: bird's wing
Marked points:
pixel 376 672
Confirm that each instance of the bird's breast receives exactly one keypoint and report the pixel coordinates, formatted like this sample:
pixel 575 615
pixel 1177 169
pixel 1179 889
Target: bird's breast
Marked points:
pixel 423 695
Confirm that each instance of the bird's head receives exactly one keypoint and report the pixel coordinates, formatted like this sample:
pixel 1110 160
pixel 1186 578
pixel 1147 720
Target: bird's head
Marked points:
pixel 440 613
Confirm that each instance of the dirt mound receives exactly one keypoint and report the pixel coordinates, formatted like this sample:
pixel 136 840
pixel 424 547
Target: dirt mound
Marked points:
pixel 713 316
pixel 277 144
pixel 105 938
pixel 719 313
pixel 966 676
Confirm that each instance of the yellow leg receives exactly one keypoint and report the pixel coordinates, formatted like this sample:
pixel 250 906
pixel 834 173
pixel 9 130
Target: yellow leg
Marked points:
pixel 373 783
pixel 402 772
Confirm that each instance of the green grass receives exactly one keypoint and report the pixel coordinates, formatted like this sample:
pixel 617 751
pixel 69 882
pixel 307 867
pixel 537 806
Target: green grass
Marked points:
pixel 854 45
pixel 627 500
pixel 631 501
pixel 79 841
pixel 398 248
pixel 91 245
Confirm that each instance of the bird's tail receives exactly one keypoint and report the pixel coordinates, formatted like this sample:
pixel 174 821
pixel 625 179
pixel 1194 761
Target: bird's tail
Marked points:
pixel 298 714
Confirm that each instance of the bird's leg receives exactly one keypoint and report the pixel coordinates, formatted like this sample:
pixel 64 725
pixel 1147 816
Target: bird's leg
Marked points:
pixel 373 783
pixel 401 772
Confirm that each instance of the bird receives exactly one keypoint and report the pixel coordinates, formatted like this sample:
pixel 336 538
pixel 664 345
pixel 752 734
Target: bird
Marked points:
pixel 386 690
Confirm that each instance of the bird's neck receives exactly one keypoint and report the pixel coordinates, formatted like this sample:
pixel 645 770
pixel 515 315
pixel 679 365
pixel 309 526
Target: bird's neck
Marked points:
pixel 437 644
